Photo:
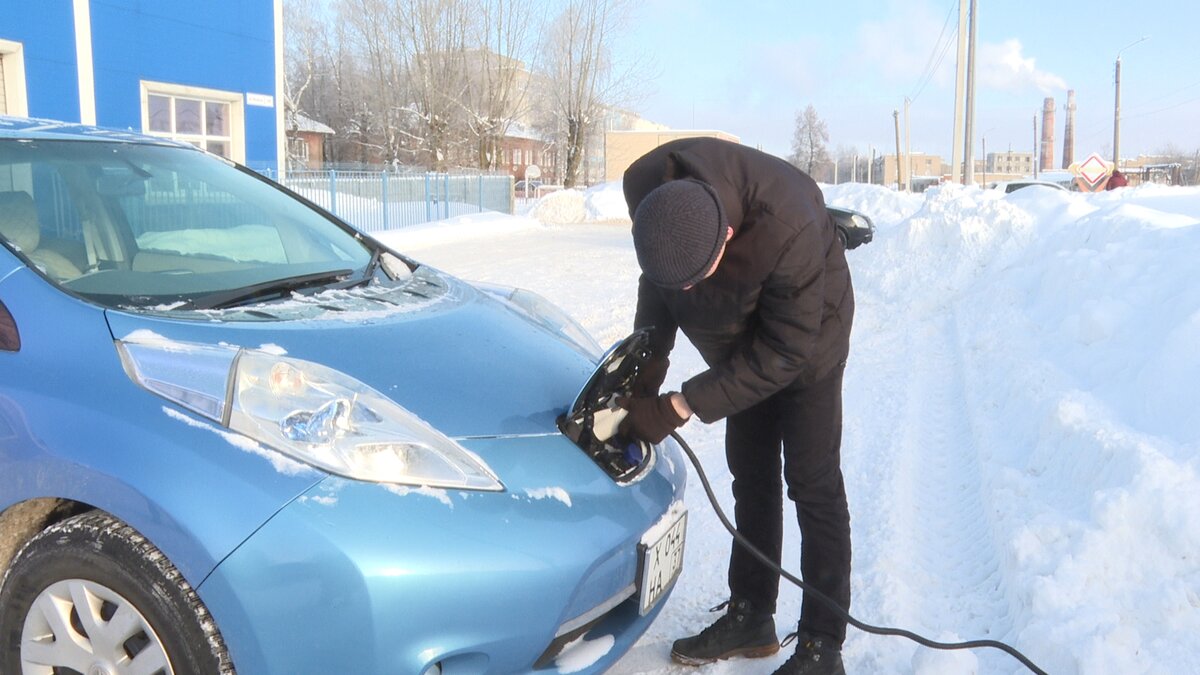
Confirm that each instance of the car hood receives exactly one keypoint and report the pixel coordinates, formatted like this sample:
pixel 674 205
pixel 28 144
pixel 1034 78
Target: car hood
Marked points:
pixel 464 362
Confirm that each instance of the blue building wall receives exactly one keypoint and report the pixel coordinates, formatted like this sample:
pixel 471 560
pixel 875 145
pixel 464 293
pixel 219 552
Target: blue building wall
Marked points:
pixel 216 44
pixel 47 32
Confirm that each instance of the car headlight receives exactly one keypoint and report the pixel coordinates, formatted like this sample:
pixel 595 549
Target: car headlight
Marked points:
pixel 861 222
pixel 307 411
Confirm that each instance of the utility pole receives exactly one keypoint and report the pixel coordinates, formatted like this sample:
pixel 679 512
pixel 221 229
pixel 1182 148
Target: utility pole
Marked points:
pixel 956 155
pixel 907 146
pixel 968 140
pixel 1117 106
pixel 896 117
pixel 871 168
pixel 1117 117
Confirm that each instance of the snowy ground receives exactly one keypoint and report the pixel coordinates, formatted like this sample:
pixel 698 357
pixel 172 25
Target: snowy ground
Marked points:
pixel 1021 445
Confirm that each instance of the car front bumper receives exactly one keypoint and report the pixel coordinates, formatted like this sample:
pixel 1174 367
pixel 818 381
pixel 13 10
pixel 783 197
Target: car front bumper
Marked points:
pixel 363 578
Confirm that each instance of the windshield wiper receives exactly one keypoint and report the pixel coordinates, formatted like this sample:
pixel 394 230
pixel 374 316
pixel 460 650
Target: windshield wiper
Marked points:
pixel 274 288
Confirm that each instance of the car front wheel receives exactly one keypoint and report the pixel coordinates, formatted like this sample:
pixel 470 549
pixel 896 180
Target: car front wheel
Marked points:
pixel 90 595
pixel 842 237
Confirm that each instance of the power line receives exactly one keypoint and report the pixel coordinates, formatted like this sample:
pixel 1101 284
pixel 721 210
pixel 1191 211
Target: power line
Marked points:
pixel 941 57
pixel 937 54
pixel 1155 112
pixel 1170 94
pixel 1096 131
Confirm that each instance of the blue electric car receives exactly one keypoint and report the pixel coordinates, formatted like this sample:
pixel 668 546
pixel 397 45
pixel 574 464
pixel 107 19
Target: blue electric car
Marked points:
pixel 236 435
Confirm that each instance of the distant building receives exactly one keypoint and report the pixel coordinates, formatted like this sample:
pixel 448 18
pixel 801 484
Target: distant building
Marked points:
pixel 1009 165
pixel 522 148
pixel 1010 162
pixel 621 148
pixel 306 140
pixel 927 170
pixel 1165 170
pixel 206 73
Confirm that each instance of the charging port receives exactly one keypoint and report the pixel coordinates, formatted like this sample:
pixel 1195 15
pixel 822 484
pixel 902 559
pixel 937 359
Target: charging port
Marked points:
pixel 594 418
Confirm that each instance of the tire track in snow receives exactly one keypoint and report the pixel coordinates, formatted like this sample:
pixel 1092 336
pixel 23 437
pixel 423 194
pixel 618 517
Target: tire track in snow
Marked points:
pixel 944 564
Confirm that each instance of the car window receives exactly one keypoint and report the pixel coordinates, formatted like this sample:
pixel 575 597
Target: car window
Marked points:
pixel 175 212
pixel 140 224
pixel 38 217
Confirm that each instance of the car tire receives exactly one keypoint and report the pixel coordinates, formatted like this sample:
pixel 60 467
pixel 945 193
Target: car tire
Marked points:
pixel 90 594
pixel 843 237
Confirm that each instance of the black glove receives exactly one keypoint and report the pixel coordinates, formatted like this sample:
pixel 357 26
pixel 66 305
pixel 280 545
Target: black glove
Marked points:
pixel 650 418
pixel 650 377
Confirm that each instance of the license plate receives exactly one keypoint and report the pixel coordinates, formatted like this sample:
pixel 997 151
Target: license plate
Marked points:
pixel 661 562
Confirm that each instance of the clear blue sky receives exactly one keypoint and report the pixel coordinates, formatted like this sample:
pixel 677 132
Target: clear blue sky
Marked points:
pixel 746 67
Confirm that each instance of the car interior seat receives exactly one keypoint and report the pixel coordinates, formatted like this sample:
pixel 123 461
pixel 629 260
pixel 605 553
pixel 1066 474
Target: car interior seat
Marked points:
pixel 19 225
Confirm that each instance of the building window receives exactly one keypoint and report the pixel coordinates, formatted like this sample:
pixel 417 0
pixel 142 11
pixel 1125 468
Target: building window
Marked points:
pixel 12 79
pixel 517 156
pixel 209 119
pixel 298 151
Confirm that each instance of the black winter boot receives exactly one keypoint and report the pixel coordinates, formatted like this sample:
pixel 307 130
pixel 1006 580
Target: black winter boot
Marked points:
pixel 815 655
pixel 741 632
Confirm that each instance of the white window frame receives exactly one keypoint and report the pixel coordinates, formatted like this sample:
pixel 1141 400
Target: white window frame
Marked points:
pixel 237 114
pixel 15 97
pixel 298 150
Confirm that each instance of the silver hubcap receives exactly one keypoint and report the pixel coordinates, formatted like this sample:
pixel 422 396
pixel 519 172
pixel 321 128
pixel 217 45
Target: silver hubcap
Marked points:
pixel 87 627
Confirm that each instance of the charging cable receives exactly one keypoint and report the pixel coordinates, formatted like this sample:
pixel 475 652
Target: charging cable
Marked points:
pixel 826 600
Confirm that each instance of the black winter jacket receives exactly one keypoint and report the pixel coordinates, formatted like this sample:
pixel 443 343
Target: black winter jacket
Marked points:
pixel 778 310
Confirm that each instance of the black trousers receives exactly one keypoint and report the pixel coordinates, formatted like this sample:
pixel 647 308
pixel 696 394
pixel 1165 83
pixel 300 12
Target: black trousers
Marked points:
pixel 807 421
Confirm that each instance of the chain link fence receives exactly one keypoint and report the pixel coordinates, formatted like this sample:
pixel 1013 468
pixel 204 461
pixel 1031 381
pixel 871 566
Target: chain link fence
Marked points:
pixel 374 201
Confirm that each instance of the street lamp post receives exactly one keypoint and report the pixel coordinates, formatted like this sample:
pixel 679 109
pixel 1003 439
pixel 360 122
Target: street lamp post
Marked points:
pixel 1117 105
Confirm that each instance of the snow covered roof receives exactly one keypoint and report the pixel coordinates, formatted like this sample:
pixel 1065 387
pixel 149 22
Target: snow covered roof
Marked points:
pixel 302 123
pixel 518 130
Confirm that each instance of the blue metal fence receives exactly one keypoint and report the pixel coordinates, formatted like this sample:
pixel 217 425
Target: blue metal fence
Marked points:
pixel 384 200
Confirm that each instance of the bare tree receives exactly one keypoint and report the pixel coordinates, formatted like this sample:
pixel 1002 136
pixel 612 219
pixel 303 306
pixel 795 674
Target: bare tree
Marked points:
pixel 305 48
pixel 498 80
pixel 380 119
pixel 435 33
pixel 808 144
pixel 580 75
pixel 441 83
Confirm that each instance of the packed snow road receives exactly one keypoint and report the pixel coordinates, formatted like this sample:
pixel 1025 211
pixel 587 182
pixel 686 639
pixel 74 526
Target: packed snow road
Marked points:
pixel 1021 444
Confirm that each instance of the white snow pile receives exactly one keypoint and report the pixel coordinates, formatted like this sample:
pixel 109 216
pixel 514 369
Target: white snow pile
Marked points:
pixel 1021 446
pixel 886 207
pixel 604 203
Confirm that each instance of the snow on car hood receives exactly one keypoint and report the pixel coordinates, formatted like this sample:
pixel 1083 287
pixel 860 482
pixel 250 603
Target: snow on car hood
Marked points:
pixel 461 360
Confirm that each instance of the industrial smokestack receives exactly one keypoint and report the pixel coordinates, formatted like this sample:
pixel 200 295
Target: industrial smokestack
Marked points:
pixel 1069 132
pixel 1047 162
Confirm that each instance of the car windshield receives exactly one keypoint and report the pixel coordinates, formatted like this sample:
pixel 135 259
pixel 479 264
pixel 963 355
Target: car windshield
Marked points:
pixel 129 225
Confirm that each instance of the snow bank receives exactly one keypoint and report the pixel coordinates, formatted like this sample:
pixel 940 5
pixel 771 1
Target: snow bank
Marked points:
pixel 1073 323
pixel 604 203
pixel 885 207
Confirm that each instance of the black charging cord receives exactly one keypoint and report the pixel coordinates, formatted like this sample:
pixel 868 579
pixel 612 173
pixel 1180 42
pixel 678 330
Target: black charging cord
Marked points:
pixel 877 630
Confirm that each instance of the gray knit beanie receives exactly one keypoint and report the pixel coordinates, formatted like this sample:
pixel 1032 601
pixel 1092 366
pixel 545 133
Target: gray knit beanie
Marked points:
pixel 678 230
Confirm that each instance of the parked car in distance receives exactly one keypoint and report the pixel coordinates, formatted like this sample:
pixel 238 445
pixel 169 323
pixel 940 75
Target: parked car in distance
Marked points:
pixel 853 227
pixel 237 434
pixel 1009 186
